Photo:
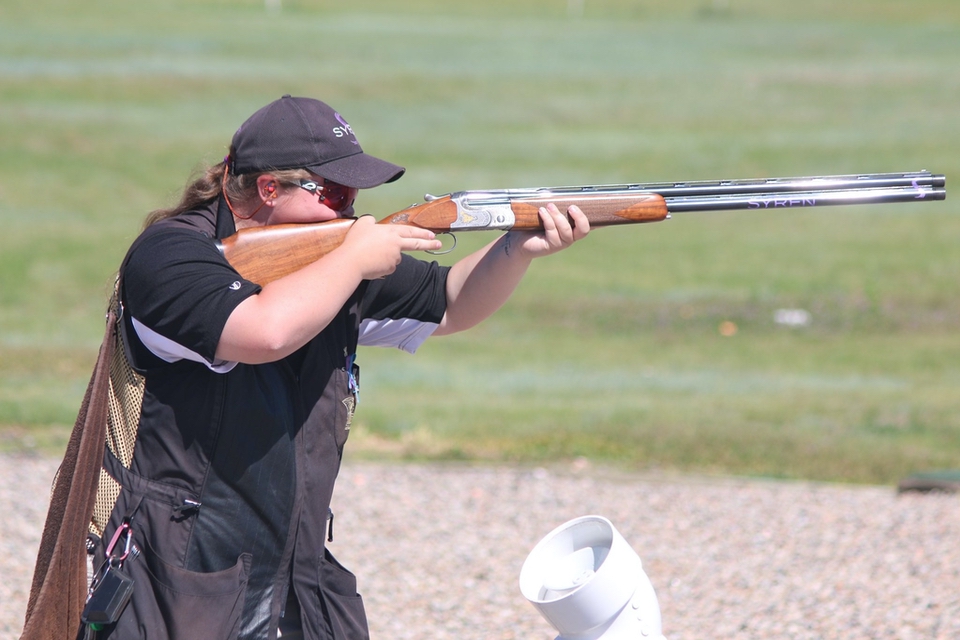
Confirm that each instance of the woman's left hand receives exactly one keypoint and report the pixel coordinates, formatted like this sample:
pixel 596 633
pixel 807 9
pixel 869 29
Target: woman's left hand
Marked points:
pixel 559 232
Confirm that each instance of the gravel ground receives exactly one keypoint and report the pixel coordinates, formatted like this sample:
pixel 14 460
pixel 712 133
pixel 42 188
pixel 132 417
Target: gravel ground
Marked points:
pixel 438 550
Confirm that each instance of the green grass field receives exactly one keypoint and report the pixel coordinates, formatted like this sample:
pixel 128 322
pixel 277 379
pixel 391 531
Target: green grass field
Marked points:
pixel 611 351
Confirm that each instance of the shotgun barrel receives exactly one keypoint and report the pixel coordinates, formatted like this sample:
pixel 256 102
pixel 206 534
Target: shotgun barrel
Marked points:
pixel 724 195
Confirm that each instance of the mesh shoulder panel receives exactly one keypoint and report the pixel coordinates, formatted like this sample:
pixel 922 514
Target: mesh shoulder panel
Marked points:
pixel 123 418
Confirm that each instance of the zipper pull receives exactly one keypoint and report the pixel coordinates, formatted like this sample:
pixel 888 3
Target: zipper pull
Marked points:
pixel 186 507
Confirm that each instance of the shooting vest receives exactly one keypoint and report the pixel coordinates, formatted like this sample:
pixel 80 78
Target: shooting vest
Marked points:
pixel 83 493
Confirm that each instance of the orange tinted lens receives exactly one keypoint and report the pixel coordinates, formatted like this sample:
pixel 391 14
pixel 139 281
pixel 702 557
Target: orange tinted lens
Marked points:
pixel 337 196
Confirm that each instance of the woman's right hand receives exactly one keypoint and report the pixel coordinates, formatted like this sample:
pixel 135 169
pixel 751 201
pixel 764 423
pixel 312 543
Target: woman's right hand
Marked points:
pixel 375 249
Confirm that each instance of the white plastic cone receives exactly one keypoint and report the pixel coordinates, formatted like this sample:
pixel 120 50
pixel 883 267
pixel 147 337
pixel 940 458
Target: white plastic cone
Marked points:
pixel 589 584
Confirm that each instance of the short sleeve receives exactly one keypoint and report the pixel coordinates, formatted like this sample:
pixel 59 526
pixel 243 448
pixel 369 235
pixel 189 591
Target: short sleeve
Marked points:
pixel 177 284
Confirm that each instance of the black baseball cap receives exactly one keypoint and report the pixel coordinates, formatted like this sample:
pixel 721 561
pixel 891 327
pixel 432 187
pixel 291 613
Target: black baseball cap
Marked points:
pixel 303 133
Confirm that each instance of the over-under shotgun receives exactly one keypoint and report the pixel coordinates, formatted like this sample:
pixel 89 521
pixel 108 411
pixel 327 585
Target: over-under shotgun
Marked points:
pixel 263 254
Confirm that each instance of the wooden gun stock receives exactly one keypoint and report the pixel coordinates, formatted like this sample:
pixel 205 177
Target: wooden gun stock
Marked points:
pixel 264 254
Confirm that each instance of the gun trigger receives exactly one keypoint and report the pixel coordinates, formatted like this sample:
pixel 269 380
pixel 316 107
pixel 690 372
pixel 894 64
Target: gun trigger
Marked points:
pixel 444 251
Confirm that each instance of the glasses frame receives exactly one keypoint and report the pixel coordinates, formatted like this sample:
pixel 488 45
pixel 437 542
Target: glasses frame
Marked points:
pixel 333 195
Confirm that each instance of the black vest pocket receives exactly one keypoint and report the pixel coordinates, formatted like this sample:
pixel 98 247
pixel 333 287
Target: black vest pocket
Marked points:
pixel 173 603
pixel 341 607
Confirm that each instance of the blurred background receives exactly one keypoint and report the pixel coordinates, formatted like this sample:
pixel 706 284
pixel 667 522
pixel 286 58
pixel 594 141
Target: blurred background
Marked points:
pixel 822 345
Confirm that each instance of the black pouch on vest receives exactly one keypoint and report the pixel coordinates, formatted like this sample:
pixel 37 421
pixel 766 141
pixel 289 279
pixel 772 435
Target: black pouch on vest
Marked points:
pixel 108 597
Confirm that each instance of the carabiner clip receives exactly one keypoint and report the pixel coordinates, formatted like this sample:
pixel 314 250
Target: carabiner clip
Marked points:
pixel 121 530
